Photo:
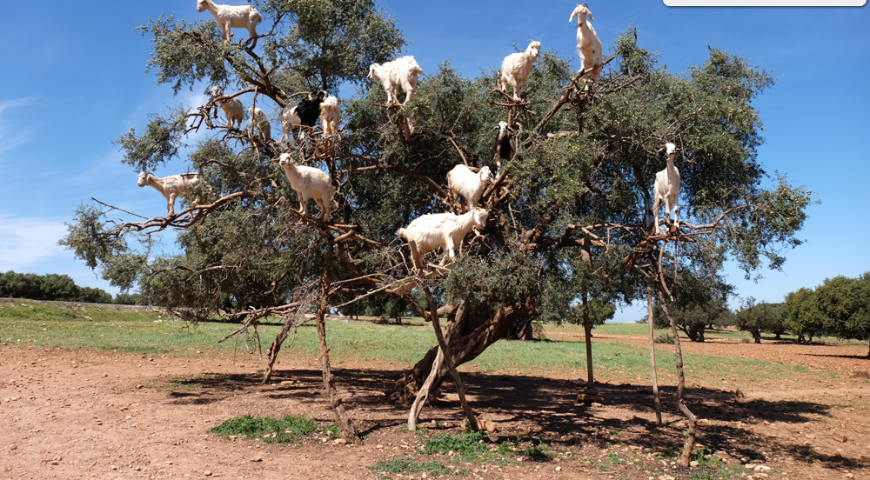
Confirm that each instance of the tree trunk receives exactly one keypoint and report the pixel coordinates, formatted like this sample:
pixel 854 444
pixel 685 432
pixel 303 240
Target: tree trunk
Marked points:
pixel 691 421
pixel 276 347
pixel 344 424
pixel 652 354
pixel 587 327
pixel 756 336
pixel 528 332
pixel 463 347
pixel 778 336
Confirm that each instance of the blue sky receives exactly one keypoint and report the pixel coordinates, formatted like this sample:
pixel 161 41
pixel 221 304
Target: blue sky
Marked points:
pixel 73 85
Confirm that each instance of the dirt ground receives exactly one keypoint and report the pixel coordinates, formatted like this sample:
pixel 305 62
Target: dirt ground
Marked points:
pixel 94 414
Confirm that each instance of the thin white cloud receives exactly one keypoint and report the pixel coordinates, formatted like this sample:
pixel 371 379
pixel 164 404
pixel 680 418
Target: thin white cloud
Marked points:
pixel 12 135
pixel 28 240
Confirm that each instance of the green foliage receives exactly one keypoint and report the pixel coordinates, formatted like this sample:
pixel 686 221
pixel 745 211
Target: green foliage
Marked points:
pixel 665 338
pixel 159 144
pixel 49 287
pixel 495 280
pixel 804 317
pixel 331 41
pixel 762 317
pixel 845 302
pixel 271 430
pixel 125 298
pixel 699 300
pixel 186 54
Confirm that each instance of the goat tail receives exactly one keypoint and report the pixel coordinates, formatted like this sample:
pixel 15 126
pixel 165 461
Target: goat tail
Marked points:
pixel 401 233
pixel 417 70
pixel 256 18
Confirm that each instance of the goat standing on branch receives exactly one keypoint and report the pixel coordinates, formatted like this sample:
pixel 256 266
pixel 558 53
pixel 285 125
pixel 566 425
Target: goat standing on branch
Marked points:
pixel 301 113
pixel 309 182
pixel 464 183
pixel 588 43
pixel 402 72
pixel 667 188
pixel 516 67
pixel 446 230
pixel 329 116
pixel 233 108
pixel 171 187
pixel 260 123
pixel 229 16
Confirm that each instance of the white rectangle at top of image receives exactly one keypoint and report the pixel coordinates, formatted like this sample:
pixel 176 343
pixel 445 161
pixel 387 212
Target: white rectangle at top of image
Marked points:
pixel 765 3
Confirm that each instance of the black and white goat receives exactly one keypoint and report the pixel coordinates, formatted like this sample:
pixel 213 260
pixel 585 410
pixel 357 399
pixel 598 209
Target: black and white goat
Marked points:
pixel 301 113
pixel 504 143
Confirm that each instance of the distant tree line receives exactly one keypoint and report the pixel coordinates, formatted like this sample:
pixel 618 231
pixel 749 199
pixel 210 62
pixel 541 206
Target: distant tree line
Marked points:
pixel 839 307
pixel 57 287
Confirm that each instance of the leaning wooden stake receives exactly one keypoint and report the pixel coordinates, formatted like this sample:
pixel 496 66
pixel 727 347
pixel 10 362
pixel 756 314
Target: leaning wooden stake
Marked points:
pixel 423 393
pixel 587 327
pixel 689 444
pixel 436 324
pixel 652 354
pixel 344 424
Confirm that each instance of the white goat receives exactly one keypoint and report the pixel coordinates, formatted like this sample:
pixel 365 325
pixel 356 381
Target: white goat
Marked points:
pixel 516 67
pixel 309 182
pixel 667 188
pixel 464 183
pixel 233 108
pixel 260 122
pixel 229 16
pixel 446 230
pixel 171 187
pixel 402 71
pixel 329 116
pixel 588 43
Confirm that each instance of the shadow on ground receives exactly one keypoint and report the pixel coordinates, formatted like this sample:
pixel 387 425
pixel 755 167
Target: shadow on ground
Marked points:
pixel 545 409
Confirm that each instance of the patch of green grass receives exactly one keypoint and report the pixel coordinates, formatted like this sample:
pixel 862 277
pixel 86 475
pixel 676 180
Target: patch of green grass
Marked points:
pixel 468 446
pixel 669 453
pixel 333 430
pixel 271 430
pixel 407 465
pixel 538 453
pixel 613 459
pixel 701 456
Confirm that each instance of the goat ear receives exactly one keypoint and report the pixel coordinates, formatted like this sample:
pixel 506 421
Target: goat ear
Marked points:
pixel 589 14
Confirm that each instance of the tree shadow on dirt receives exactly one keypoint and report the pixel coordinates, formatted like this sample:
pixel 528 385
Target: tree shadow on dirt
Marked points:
pixel 544 409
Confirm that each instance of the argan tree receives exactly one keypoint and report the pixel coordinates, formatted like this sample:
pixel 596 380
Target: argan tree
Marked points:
pixel 577 191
